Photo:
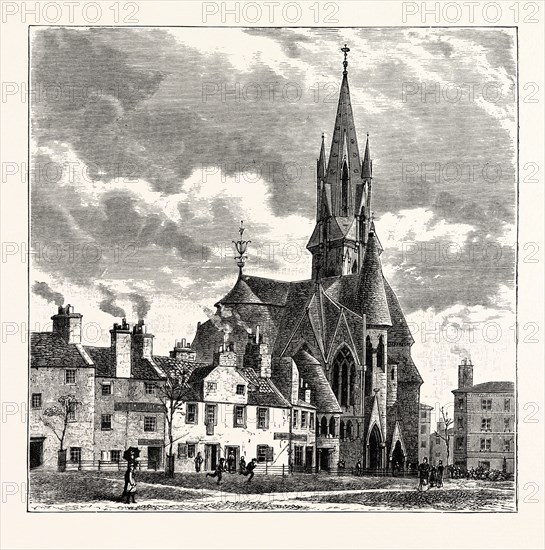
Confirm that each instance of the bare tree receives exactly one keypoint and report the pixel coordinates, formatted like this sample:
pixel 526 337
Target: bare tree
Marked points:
pixel 446 435
pixel 171 395
pixel 57 418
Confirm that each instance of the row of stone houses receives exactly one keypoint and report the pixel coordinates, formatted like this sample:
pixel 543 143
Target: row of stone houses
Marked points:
pixel 119 398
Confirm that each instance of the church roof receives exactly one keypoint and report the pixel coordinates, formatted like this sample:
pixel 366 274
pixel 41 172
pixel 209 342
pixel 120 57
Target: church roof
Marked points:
pixel 371 293
pixel 313 374
pixel 399 332
pixel 257 290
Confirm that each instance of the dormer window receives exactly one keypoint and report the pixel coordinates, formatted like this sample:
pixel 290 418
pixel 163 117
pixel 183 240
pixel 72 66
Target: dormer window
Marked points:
pixel 211 387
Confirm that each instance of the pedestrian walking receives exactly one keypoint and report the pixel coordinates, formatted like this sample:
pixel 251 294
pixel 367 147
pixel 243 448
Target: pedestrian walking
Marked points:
pixel 424 475
pixel 231 462
pixel 433 476
pixel 242 466
pixel 358 468
pixel 250 469
pixel 129 491
pixel 440 472
pixel 198 462
pixel 218 472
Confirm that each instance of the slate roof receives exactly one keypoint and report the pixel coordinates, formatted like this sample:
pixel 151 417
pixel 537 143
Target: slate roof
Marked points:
pixel 257 290
pixel 49 349
pixel 371 293
pixel 399 332
pixel 489 387
pixel 262 391
pixel 321 394
pixel 104 359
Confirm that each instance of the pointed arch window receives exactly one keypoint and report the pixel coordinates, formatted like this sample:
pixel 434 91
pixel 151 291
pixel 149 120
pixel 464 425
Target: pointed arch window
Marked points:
pixel 380 354
pixel 349 430
pixel 323 426
pixel 368 367
pixel 341 430
pixel 344 189
pixel 352 385
pixel 332 427
pixel 343 365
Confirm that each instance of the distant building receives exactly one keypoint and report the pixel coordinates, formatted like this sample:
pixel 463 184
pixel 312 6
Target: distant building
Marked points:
pixel 484 424
pixel 424 432
pixel 438 445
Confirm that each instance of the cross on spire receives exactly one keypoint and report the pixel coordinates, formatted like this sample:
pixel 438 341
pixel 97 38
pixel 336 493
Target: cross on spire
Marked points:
pixel 345 50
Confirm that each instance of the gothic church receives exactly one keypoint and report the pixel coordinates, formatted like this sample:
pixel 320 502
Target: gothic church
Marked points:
pixel 340 334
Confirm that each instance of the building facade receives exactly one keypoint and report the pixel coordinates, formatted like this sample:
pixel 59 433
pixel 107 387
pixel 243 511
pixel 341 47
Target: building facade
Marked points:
pixel 343 330
pixel 438 445
pixel 484 426
pixel 424 432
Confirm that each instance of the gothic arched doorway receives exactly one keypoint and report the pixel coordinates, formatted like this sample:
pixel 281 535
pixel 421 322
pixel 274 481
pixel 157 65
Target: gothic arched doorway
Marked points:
pixel 398 457
pixel 375 449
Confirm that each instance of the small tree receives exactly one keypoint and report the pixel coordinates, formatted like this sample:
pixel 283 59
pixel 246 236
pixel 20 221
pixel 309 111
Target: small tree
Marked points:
pixel 171 395
pixel 446 435
pixel 57 419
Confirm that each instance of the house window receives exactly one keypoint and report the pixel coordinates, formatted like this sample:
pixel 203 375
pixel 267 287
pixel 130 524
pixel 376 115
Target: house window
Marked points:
pixel 70 376
pixel 486 404
pixel 211 387
pixel 484 464
pixel 150 388
pixel 460 423
pixel 506 425
pixel 264 453
pixel 460 444
pixel 423 415
pixel 423 444
pixel 304 419
pixel 486 444
pixel 106 422
pixel 182 450
pixel 262 418
pixel 241 389
pixel 295 418
pixel 75 454
pixel 486 425
pixel 423 429
pixel 115 456
pixel 106 388
pixel 438 440
pixel 36 401
pixel 239 416
pixel 298 455
pixel 191 450
pixel 311 421
pixel 460 403
pixel 507 446
pixel 507 405
pixel 191 413
pixel 71 417
pixel 150 423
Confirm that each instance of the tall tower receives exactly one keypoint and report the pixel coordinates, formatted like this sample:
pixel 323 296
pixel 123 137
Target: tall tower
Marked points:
pixel 343 189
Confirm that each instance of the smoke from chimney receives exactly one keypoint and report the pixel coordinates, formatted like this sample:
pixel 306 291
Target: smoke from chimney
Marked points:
pixel 45 291
pixel 107 305
pixel 140 304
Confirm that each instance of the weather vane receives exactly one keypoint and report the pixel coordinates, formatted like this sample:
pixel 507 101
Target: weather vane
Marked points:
pixel 345 50
pixel 241 247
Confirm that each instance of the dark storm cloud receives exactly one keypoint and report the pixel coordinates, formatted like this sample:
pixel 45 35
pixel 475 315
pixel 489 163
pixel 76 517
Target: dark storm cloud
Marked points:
pixel 139 104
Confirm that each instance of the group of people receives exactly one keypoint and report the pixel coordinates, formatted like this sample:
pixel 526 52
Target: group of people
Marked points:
pixel 430 476
pixel 129 489
pixel 244 469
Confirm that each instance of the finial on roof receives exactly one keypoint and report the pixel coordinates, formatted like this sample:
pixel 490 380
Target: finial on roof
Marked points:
pixel 345 50
pixel 241 246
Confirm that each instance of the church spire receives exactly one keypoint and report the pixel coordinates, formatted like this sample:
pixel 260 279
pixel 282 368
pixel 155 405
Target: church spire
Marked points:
pixel 367 166
pixel 321 172
pixel 344 147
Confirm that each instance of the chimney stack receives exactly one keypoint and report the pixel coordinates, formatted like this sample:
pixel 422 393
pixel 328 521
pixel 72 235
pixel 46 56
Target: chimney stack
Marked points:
pixel 257 354
pixel 226 356
pixel 465 374
pixel 68 324
pixel 142 340
pixel 182 350
pixel 121 343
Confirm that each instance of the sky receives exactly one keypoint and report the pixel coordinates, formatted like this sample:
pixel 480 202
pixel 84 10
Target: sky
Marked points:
pixel 149 145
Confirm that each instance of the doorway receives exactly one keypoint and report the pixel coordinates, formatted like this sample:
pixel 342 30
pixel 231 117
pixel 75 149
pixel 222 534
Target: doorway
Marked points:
pixel 398 458
pixel 155 458
pixel 375 451
pixel 36 452
pixel 309 455
pixel 323 459
pixel 211 456
pixel 234 451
